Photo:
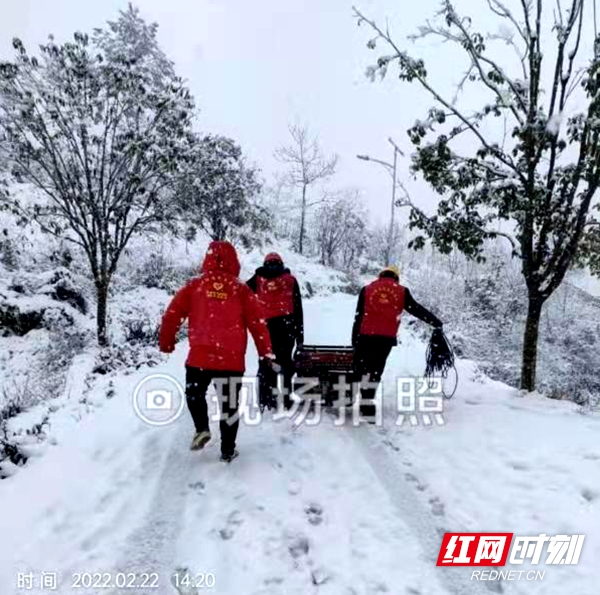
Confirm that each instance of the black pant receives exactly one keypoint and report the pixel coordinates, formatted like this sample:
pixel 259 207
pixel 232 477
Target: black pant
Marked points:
pixel 370 357
pixel 197 383
pixel 282 342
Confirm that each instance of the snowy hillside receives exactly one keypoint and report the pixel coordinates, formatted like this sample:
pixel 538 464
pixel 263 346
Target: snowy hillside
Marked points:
pixel 319 509
pixel 588 283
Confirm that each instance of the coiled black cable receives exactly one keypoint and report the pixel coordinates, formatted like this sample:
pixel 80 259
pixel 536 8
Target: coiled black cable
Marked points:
pixel 440 359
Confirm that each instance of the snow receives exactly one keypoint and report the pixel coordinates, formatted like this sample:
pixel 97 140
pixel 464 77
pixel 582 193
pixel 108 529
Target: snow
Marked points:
pixel 554 123
pixel 584 280
pixel 334 510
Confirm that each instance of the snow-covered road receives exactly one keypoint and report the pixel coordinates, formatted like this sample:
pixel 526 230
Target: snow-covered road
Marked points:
pixel 321 509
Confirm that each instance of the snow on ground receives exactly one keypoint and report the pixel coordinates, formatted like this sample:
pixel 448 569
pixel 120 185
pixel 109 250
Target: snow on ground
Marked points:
pixel 322 509
pixel 587 282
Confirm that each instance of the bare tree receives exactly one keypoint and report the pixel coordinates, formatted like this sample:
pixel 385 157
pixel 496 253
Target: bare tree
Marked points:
pixel 306 166
pixel 386 243
pixel 541 175
pixel 341 231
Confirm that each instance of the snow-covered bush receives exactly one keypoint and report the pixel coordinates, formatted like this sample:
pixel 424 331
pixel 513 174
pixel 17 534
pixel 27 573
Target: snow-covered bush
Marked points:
pixel 482 306
pixel 8 252
pixel 125 356
pixel 44 300
pixel 354 284
pixel 161 272
pixel 16 397
pixel 141 331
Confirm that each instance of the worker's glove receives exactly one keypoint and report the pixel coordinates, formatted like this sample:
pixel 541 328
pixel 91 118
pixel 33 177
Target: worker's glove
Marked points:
pixel 270 362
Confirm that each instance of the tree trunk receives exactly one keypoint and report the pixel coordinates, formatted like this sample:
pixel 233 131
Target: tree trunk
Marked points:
pixel 302 221
pixel 530 343
pixel 102 312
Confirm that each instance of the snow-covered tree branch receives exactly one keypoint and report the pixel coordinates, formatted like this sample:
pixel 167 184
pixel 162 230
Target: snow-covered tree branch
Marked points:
pixel 540 183
pixel 92 125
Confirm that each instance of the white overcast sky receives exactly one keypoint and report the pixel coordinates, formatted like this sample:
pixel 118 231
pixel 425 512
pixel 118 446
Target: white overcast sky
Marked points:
pixel 254 66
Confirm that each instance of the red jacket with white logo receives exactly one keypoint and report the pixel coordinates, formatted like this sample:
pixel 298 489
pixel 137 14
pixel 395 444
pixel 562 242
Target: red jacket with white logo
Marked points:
pixel 220 310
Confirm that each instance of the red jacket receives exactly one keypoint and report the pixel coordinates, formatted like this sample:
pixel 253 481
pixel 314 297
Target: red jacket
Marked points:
pixel 220 310
pixel 383 305
pixel 276 295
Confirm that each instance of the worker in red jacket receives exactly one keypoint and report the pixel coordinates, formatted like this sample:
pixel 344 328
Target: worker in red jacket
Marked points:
pixel 376 323
pixel 279 294
pixel 220 310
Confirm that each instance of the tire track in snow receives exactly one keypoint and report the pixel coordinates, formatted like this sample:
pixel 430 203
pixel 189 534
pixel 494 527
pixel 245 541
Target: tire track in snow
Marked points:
pixel 151 547
pixel 415 513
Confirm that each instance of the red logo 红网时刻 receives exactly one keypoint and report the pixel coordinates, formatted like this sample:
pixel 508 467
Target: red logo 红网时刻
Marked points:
pixel 492 549
pixel 474 549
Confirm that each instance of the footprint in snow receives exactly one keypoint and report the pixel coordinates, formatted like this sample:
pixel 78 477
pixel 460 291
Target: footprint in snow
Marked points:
pixel 437 507
pixel 519 465
pixel 589 494
pixel 314 513
pixel 226 533
pixel 413 478
pixel 294 488
pixel 197 486
pixel 392 445
pixel 472 402
pixel 234 519
pixel 305 464
pixel 298 546
pixel 319 576
pixel 591 456
pixel 179 582
pixel 275 580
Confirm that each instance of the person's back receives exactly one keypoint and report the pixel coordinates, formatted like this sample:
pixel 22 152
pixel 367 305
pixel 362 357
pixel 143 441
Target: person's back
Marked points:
pixel 376 323
pixel 220 310
pixel 279 296
pixel 383 305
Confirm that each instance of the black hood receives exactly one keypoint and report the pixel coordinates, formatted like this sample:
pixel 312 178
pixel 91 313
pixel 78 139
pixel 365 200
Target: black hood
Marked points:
pixel 272 271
